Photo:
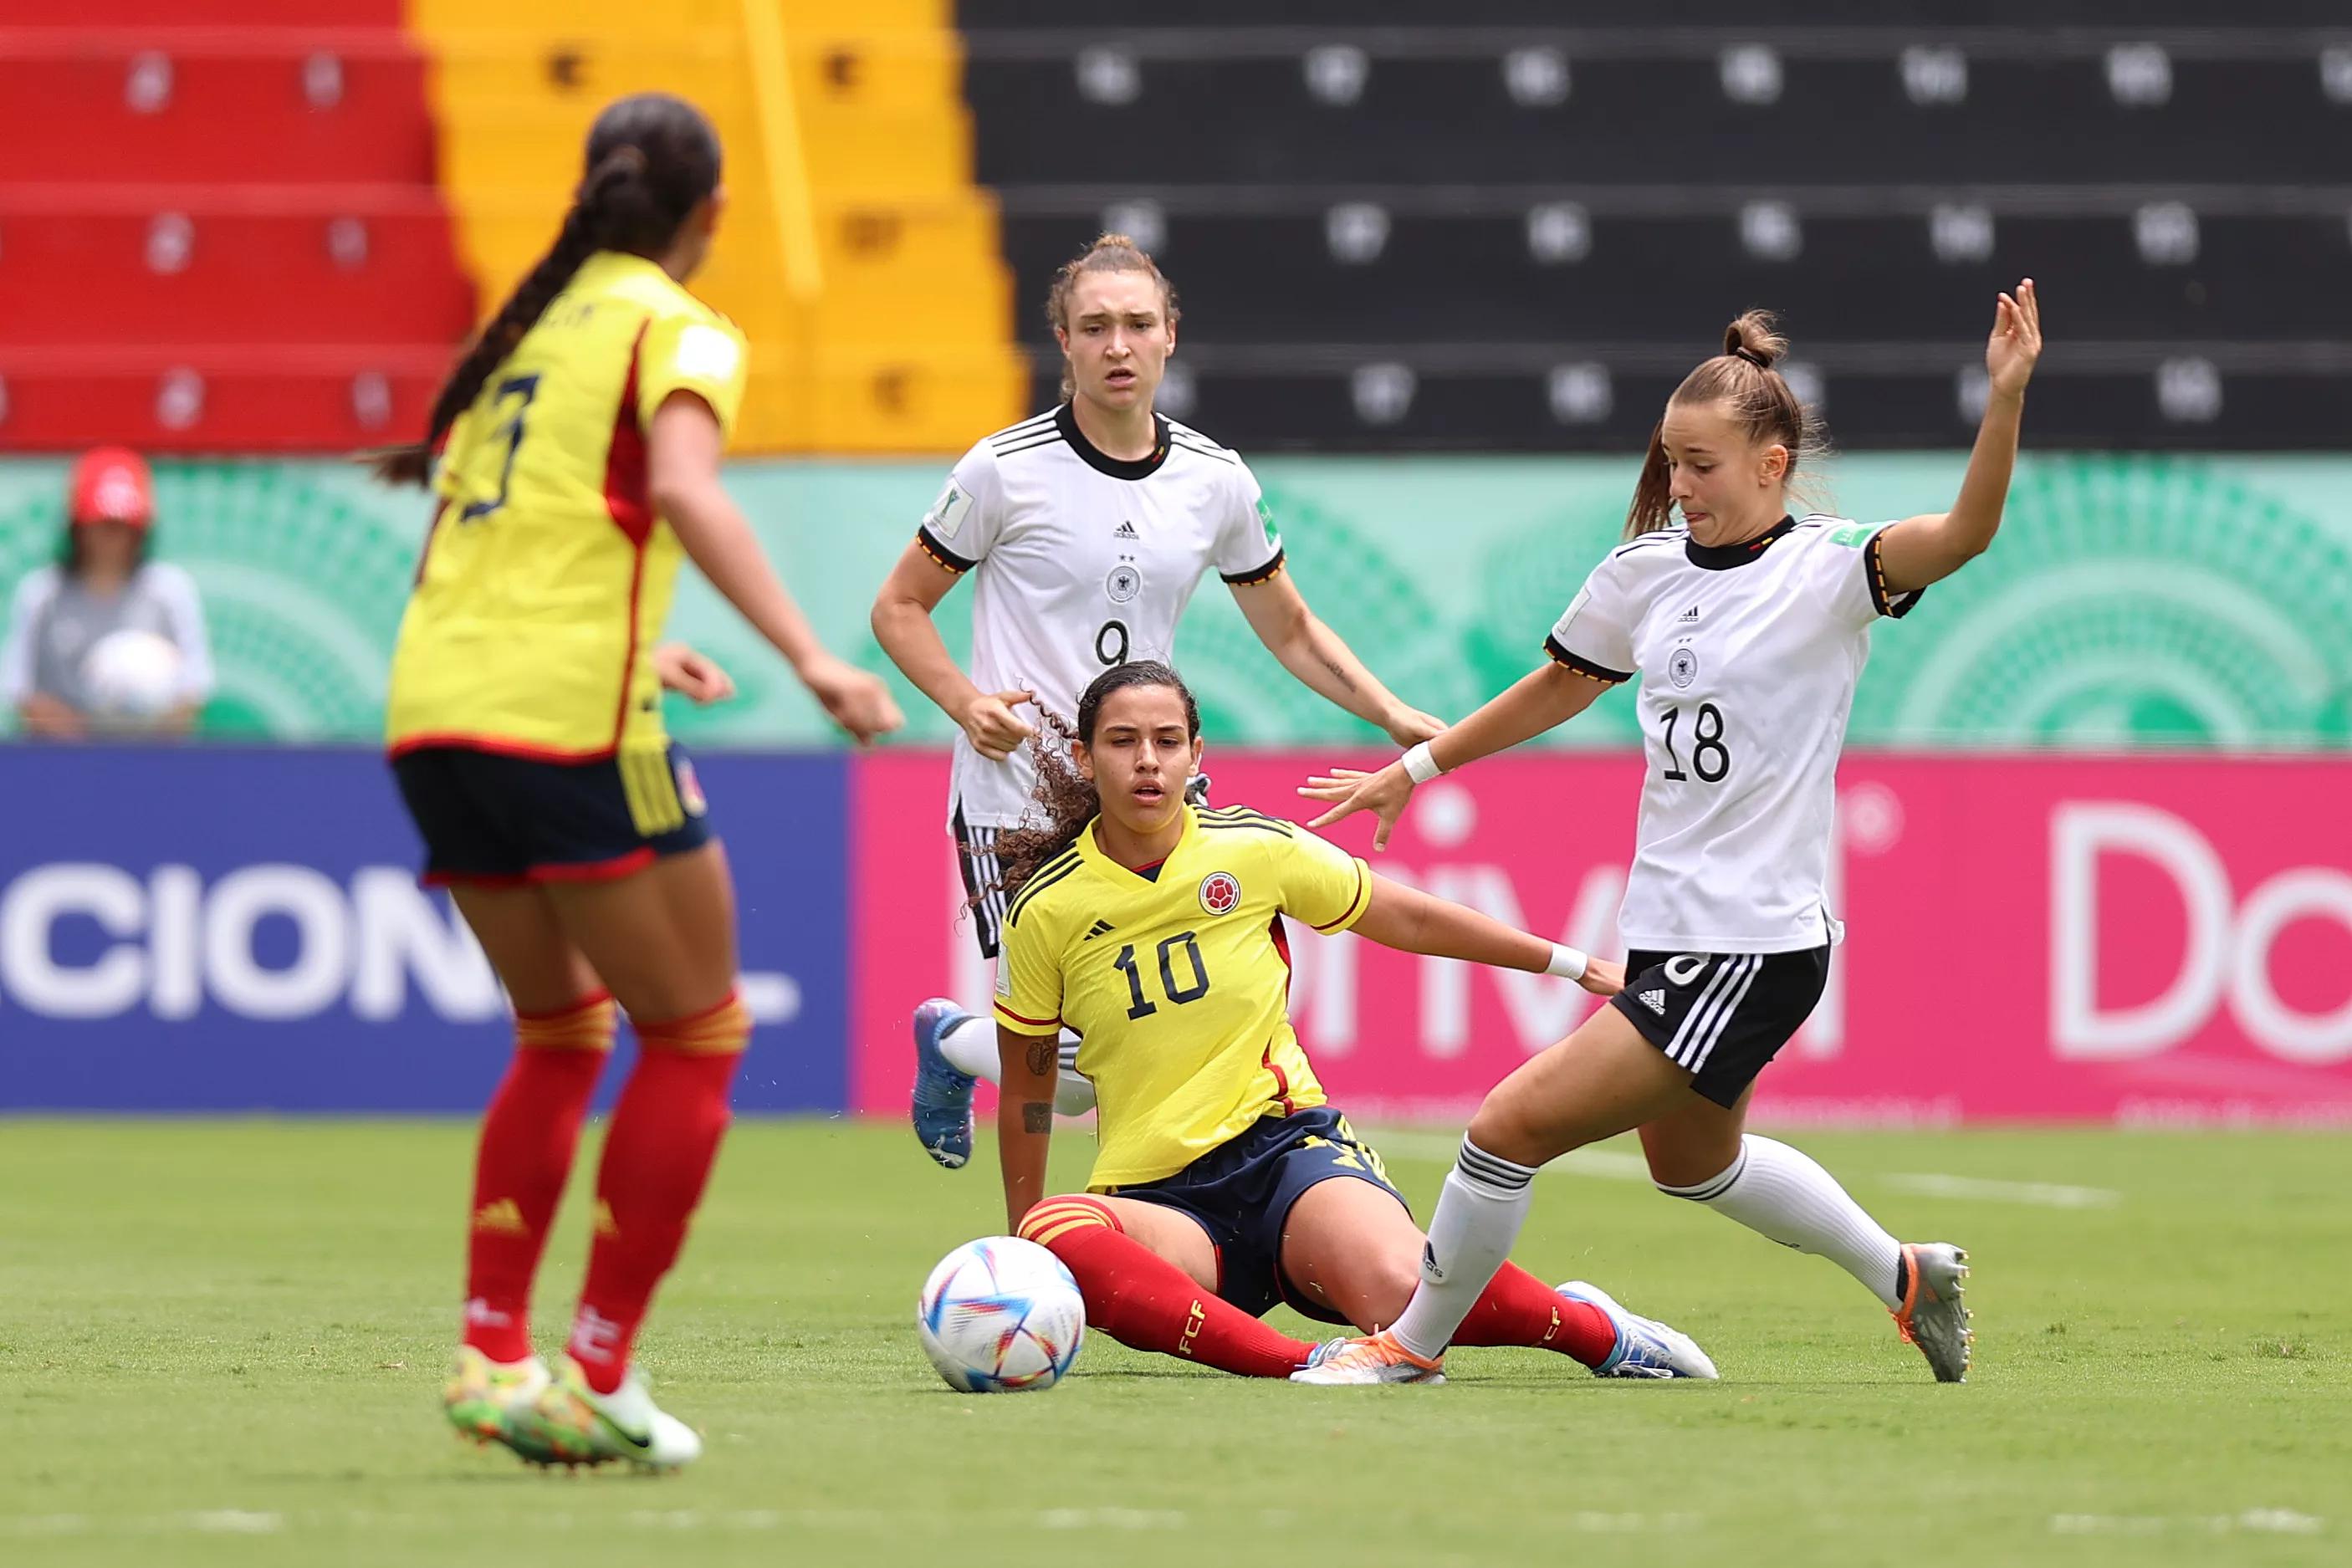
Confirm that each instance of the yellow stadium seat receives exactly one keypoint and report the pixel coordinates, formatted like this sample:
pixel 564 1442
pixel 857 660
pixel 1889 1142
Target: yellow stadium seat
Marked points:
pixel 905 344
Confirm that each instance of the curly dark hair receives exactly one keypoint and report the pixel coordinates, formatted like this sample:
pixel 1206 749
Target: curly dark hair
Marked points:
pixel 1064 802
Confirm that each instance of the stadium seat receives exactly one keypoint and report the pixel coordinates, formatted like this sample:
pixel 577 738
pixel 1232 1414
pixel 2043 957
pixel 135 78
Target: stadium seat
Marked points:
pixel 1463 214
pixel 885 168
pixel 239 246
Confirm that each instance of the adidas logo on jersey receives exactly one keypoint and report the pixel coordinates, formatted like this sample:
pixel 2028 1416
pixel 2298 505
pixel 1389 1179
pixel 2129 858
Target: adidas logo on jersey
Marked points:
pixel 1125 531
pixel 1654 1001
pixel 1100 928
pixel 1688 616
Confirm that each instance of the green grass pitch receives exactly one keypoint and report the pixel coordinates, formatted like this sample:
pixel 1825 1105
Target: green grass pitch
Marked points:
pixel 222 1342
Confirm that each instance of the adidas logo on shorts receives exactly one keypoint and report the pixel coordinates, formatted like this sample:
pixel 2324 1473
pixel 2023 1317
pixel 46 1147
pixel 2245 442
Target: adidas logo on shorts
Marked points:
pixel 1654 1001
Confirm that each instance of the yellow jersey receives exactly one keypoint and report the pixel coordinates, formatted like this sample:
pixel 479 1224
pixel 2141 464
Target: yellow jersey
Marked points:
pixel 1177 982
pixel 546 576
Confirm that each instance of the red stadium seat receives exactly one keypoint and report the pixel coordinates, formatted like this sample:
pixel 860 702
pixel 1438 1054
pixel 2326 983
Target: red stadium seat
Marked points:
pixel 236 241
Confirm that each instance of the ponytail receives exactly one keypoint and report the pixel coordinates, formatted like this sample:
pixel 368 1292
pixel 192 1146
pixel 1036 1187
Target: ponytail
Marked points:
pixel 1745 379
pixel 652 160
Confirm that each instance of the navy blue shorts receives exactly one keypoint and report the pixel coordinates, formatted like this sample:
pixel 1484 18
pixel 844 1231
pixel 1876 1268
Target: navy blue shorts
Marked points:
pixel 1241 1193
pixel 488 819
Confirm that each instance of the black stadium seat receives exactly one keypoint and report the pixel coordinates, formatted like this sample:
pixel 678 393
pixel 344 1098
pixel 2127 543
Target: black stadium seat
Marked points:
pixel 1397 222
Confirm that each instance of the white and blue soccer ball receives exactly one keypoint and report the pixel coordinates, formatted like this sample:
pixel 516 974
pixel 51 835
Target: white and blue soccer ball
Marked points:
pixel 1001 1314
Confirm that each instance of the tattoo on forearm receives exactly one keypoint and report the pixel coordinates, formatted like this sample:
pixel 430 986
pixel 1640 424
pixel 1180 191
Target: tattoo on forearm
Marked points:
pixel 1339 673
pixel 1037 1116
pixel 1041 1054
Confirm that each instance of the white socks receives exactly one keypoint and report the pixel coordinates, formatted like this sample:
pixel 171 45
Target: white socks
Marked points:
pixel 970 1047
pixel 1479 1214
pixel 1777 1191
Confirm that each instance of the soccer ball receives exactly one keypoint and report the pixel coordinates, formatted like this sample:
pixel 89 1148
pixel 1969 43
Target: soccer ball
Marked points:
pixel 131 675
pixel 1001 1314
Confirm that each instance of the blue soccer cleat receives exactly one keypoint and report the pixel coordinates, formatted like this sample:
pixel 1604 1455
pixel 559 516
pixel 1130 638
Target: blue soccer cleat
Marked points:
pixel 941 1102
pixel 1646 1347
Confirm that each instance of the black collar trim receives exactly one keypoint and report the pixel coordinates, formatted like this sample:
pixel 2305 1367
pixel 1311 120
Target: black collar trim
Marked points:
pixel 1723 558
pixel 1103 462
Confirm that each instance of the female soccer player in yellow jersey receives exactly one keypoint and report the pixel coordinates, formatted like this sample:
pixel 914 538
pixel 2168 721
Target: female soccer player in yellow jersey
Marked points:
pixel 578 445
pixel 1224 1182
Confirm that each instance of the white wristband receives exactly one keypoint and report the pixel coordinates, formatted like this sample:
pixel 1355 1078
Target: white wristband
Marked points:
pixel 1566 962
pixel 1419 765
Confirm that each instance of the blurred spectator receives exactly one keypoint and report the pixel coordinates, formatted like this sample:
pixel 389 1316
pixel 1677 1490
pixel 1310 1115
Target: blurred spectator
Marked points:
pixel 106 640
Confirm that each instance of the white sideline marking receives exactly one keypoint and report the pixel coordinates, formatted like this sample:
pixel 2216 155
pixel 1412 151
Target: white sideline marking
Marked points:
pixel 1608 1165
pixel 2043 1193
pixel 235 1521
pixel 2252 1521
pixel 1111 1519
pixel 1604 1164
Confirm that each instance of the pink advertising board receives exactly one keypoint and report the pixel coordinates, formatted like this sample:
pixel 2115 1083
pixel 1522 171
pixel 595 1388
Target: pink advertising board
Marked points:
pixel 2149 941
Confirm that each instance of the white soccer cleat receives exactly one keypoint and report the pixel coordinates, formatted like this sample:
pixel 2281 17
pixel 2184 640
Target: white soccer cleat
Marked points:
pixel 1646 1347
pixel 1934 1315
pixel 1342 1363
pixel 572 1424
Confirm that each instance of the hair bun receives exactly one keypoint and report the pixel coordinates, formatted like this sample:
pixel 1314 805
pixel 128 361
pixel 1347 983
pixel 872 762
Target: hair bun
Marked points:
pixel 1756 337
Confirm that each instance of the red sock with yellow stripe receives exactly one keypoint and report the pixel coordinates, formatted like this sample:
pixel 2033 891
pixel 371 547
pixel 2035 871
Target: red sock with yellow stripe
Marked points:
pixel 665 1137
pixel 1146 1302
pixel 529 1137
pixel 1517 1309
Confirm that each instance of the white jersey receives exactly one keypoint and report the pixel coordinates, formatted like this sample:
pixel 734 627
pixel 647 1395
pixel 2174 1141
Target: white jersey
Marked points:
pixel 1749 655
pixel 1080 561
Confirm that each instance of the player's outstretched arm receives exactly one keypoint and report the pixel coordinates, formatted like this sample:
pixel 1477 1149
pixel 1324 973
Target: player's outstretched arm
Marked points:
pixel 1025 1117
pixel 1920 550
pixel 902 623
pixel 682 450
pixel 1412 921
pixel 1323 662
pixel 1542 700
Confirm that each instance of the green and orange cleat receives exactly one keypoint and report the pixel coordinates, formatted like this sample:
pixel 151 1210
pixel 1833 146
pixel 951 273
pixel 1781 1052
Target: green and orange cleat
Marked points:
pixel 480 1391
pixel 571 1424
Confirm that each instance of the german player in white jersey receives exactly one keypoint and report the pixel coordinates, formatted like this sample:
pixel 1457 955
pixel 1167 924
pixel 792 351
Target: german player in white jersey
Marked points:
pixel 1748 628
pixel 1086 531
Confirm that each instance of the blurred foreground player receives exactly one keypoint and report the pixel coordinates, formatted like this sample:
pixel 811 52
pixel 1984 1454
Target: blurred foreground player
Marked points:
pixel 579 445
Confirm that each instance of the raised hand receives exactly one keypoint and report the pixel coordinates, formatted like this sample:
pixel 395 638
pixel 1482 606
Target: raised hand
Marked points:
pixel 1349 790
pixel 2016 341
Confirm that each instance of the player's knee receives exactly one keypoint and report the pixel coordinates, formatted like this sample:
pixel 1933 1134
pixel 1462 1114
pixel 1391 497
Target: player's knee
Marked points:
pixel 1696 1174
pixel 1504 1128
pixel 721 1030
pixel 1057 1218
pixel 1390 1286
pixel 588 1024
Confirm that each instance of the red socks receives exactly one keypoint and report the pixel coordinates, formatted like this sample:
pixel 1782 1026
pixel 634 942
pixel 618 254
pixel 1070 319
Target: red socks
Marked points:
pixel 658 1157
pixel 527 1143
pixel 1146 1302
pixel 1517 1309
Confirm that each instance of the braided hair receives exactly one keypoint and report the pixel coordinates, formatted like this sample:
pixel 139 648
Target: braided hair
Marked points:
pixel 652 160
